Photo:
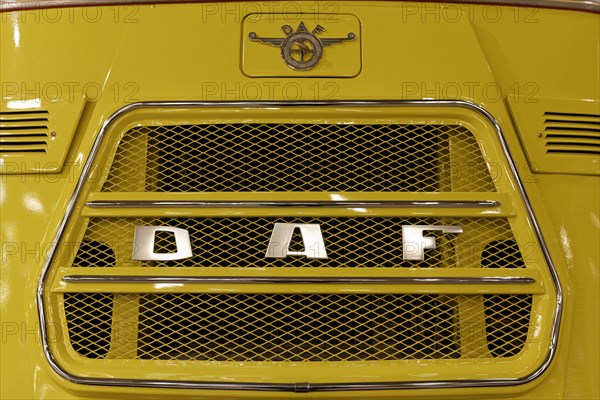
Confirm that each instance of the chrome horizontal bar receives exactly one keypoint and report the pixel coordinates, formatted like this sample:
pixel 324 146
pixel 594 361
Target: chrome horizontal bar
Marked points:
pixel 308 280
pixel 249 204
pixel 580 5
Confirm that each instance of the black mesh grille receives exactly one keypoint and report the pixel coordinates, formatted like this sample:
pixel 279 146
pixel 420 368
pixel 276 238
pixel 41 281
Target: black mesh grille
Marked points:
pixel 506 316
pixel 298 157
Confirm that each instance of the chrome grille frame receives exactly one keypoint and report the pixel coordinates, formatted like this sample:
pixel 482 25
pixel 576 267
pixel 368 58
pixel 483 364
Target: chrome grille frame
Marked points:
pixel 299 387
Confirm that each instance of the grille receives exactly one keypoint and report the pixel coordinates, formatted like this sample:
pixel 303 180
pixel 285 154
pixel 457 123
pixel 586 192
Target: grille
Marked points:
pixel 295 327
pixel 350 242
pixel 298 157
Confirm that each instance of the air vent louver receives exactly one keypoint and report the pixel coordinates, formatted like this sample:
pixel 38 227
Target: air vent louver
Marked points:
pixel 560 136
pixel 577 134
pixel 24 132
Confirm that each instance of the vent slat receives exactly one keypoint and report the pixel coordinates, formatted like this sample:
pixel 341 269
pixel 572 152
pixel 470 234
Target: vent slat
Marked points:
pixel 549 114
pixel 573 141
pixel 21 121
pixel 23 135
pixel 27 151
pixel 573 125
pixel 22 140
pixel 572 148
pixel 22 148
pixel 23 132
pixel 22 127
pixel 6 125
pixel 553 128
pixel 26 140
pixel 573 152
pixel 23 115
pixel 568 135
pixel 573 121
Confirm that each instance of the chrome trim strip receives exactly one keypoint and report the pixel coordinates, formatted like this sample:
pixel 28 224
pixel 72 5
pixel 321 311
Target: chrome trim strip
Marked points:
pixel 261 204
pixel 450 280
pixel 580 5
pixel 338 386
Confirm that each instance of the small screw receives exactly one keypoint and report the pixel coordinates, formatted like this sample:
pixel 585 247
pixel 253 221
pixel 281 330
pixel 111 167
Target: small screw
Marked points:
pixel 539 134
pixel 52 134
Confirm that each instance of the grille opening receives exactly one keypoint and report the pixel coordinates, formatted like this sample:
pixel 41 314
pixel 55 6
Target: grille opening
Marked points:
pixel 89 322
pixel 507 317
pixel 507 323
pixel 298 157
pixel 502 254
pixel 291 327
pixel 93 253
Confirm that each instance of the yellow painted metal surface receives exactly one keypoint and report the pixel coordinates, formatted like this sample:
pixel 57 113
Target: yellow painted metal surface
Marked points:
pixel 564 141
pixel 36 134
pixel 481 54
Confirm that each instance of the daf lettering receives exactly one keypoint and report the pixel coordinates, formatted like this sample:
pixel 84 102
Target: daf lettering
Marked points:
pixel 145 237
pixel 279 245
pixel 414 243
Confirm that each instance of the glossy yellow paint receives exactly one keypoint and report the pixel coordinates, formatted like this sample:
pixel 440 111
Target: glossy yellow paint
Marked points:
pixel 571 138
pixel 61 128
pixel 192 52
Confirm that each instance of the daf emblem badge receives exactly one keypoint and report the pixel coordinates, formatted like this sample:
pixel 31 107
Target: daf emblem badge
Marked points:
pixel 301 50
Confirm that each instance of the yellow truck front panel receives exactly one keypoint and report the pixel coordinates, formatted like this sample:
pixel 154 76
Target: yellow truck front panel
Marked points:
pixel 477 124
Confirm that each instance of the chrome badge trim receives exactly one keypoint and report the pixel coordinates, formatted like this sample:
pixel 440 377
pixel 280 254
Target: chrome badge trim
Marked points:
pixel 301 50
pixel 298 387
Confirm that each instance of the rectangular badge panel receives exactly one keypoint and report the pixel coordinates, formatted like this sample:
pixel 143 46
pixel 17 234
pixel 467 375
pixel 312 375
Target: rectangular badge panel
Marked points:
pixel 301 45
